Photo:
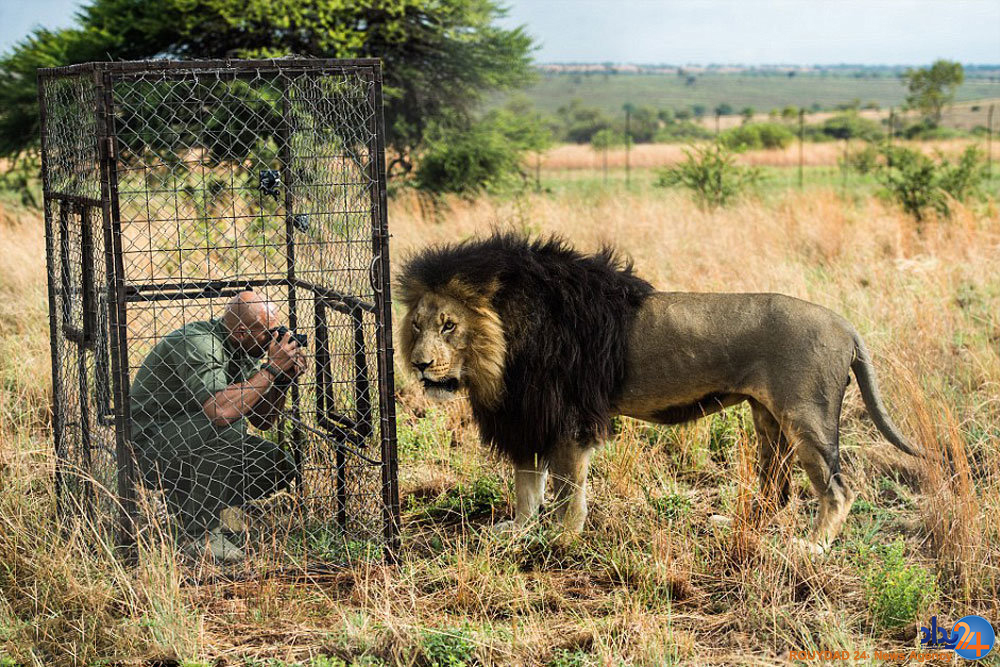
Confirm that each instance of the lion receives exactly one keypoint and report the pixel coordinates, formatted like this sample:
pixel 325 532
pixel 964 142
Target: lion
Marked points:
pixel 550 344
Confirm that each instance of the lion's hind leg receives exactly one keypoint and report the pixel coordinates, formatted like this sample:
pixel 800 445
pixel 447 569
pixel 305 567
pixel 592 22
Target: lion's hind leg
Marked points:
pixel 569 465
pixel 817 446
pixel 774 462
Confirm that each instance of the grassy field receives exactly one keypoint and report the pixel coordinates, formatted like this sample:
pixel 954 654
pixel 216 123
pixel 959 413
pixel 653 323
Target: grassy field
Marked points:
pixel 669 91
pixel 654 581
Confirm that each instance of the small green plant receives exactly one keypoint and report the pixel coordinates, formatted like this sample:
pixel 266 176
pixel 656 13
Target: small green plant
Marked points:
pixel 453 647
pixel 566 658
pixel 326 661
pixel 712 174
pixel 897 593
pixel 921 185
pixel 671 506
pixel 421 438
pixel 480 497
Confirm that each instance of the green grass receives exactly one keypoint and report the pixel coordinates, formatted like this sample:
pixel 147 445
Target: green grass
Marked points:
pixel 668 91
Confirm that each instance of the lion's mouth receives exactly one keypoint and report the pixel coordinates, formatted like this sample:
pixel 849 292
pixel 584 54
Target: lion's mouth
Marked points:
pixel 447 384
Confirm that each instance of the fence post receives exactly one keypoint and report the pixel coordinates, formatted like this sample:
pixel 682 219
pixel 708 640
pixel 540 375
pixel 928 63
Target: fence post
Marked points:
pixel 628 143
pixel 802 134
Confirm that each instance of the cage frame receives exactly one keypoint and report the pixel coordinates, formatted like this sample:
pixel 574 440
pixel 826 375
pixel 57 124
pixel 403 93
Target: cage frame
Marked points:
pixel 120 294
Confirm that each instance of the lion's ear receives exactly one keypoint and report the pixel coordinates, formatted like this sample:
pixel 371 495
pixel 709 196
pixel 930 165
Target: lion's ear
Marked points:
pixel 473 296
pixel 408 290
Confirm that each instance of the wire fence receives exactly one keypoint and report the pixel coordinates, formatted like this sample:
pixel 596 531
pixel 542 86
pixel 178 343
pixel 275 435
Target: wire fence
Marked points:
pixel 218 281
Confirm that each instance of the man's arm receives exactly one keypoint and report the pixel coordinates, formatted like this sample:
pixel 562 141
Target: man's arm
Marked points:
pixel 259 396
pixel 235 401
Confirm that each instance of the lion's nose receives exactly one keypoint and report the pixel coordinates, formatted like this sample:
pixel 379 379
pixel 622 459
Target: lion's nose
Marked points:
pixel 422 366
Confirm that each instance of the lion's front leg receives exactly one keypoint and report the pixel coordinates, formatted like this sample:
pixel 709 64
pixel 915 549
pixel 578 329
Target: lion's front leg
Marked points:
pixel 570 465
pixel 529 485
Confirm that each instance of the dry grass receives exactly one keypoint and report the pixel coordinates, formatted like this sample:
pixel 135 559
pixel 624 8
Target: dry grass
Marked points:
pixel 654 581
pixel 581 156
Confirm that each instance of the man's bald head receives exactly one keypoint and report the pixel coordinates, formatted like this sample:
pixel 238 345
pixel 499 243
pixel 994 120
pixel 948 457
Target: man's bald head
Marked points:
pixel 249 318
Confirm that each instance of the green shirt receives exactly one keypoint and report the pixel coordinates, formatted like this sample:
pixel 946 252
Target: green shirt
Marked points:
pixel 184 369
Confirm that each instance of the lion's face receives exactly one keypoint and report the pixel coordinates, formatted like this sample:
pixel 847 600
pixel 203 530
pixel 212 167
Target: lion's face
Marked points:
pixel 439 328
pixel 451 345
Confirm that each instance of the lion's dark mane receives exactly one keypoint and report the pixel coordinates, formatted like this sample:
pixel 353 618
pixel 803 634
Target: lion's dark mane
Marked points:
pixel 566 319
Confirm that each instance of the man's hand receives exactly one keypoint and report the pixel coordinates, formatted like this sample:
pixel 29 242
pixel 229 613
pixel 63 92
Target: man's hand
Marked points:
pixel 300 363
pixel 284 353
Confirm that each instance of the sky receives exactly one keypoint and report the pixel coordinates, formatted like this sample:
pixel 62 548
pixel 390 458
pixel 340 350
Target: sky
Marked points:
pixel 751 32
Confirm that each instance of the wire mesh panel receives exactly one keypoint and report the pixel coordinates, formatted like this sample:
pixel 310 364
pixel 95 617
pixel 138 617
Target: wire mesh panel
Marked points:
pixel 218 269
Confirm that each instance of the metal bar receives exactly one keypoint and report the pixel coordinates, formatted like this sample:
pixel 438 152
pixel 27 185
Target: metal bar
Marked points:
pixel 383 316
pixel 265 65
pixel 87 276
pixel 50 258
pixel 215 288
pixel 117 314
pixel 89 494
pixel 285 158
pixel 324 376
pixel 65 278
pixel 362 387
pixel 73 199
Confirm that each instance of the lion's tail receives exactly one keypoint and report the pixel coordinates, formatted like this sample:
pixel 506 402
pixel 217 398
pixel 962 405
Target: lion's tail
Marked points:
pixel 865 373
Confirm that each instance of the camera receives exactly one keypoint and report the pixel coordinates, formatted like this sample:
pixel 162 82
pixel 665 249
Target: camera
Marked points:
pixel 302 338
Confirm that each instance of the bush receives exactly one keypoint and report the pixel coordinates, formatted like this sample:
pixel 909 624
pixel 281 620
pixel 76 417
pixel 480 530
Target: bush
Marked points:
pixel 851 126
pixel 753 136
pixel 682 131
pixel 470 161
pixel 863 160
pixel 920 185
pixel 712 174
pixel 897 593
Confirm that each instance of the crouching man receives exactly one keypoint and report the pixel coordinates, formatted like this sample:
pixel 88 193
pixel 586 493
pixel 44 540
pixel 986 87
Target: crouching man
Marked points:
pixel 191 401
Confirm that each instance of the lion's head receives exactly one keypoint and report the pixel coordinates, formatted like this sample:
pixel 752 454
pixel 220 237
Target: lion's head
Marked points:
pixel 452 339
pixel 535 331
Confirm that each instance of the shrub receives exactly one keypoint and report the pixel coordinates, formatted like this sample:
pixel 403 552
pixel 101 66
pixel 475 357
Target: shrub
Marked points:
pixel 754 136
pixel 863 160
pixel 920 185
pixel 682 131
pixel 711 173
pixel 469 161
pixel 851 126
pixel 897 593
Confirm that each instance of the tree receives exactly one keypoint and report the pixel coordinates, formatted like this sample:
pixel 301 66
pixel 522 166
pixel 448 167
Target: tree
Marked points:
pixel 439 56
pixel 932 88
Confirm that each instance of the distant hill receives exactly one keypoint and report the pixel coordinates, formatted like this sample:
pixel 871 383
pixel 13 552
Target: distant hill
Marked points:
pixel 609 86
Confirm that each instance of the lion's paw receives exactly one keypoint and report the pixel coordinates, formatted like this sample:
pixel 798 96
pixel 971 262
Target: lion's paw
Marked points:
pixel 506 528
pixel 808 548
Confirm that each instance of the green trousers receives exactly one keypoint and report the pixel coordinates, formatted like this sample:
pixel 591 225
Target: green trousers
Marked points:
pixel 203 468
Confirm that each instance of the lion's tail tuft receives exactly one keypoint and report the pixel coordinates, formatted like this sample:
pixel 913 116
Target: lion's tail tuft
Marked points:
pixel 865 373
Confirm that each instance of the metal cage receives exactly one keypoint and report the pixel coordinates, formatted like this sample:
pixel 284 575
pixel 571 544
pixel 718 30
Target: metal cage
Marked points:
pixel 169 187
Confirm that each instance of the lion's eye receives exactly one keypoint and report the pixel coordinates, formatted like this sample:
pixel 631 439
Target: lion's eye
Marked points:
pixel 448 327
